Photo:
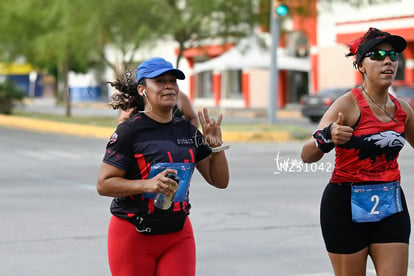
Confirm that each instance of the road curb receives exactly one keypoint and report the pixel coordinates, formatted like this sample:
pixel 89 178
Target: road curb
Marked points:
pixel 279 136
pixel 55 127
pixel 105 132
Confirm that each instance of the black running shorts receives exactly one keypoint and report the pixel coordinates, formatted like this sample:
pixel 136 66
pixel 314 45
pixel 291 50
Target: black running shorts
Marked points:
pixel 343 236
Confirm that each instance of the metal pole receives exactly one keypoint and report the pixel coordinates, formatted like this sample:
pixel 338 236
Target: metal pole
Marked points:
pixel 274 74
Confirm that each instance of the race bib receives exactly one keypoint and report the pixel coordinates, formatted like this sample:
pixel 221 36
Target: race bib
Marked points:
pixel 374 202
pixel 184 171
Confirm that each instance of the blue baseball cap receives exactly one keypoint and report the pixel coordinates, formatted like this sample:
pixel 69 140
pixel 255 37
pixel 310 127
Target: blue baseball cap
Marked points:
pixel 156 66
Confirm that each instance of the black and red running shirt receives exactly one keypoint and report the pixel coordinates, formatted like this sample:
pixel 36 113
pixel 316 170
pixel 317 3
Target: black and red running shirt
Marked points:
pixel 371 154
pixel 141 142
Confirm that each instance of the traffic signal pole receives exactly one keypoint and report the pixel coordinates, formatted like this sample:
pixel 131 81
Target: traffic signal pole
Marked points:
pixel 274 78
pixel 277 10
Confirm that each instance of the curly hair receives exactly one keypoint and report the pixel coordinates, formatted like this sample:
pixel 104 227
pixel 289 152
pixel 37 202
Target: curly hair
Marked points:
pixel 127 97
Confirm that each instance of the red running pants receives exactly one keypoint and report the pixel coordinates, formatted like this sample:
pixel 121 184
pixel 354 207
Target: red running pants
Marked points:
pixel 134 254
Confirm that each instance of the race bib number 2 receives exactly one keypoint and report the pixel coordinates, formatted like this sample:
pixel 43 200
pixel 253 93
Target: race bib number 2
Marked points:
pixel 374 202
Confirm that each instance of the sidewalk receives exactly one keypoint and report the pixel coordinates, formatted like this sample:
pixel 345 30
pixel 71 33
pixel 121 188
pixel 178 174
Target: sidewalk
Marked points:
pixel 291 116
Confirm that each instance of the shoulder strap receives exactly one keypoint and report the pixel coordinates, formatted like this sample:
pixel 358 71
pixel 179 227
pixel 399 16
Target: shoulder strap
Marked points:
pixel 359 97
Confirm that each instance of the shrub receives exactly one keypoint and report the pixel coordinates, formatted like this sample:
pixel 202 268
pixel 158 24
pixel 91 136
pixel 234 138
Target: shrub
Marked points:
pixel 9 93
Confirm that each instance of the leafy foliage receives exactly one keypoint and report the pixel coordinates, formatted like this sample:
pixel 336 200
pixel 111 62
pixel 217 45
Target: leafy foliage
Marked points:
pixel 8 89
pixel 63 35
pixel 9 93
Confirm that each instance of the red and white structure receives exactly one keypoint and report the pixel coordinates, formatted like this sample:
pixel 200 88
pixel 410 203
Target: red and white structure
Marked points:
pixel 311 56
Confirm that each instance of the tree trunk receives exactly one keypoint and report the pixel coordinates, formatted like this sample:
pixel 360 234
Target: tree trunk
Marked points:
pixel 66 89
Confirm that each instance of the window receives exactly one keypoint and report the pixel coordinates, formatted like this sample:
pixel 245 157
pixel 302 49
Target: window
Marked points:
pixel 205 84
pixel 231 84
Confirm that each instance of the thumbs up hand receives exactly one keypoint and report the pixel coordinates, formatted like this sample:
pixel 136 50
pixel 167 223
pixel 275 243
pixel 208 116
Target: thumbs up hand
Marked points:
pixel 340 133
pixel 340 120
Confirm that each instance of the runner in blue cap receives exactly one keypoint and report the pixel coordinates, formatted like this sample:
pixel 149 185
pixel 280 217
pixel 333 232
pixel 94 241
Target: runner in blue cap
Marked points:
pixel 142 238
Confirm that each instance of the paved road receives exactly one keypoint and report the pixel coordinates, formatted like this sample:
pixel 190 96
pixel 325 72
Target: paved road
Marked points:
pixel 286 119
pixel 265 223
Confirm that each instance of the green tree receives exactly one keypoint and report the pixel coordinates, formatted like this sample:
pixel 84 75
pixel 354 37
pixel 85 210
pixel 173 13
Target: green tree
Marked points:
pixel 67 38
pixel 193 22
pixel 73 34
pixel 51 34
pixel 130 24
pixel 125 26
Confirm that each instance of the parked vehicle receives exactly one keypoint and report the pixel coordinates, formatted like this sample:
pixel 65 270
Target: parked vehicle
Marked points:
pixel 314 106
pixel 405 92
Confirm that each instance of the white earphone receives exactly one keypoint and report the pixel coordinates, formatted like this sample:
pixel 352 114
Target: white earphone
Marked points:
pixel 145 95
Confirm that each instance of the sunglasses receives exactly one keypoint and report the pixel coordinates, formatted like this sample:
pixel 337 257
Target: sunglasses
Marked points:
pixel 381 54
